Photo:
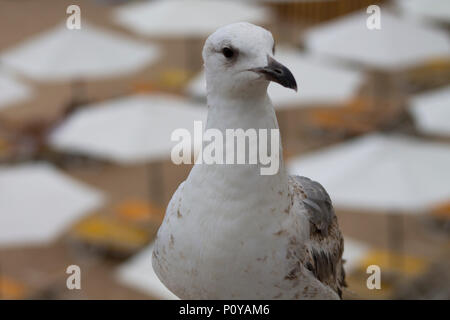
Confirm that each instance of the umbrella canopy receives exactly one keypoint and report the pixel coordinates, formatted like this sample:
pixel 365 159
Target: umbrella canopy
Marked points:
pixel 422 9
pixel 381 173
pixel 12 91
pixel 398 44
pixel 38 203
pixel 138 273
pixel 127 130
pixel 181 18
pixel 63 54
pixel 319 82
pixel 431 111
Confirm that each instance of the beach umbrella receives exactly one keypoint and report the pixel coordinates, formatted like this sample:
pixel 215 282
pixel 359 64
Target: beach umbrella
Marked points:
pixel 12 91
pixel 186 18
pixel 438 11
pixel 431 111
pixel 181 26
pixel 61 54
pixel 320 82
pixel 399 43
pixel 129 130
pixel 138 273
pixel 38 203
pixel 129 133
pixel 381 173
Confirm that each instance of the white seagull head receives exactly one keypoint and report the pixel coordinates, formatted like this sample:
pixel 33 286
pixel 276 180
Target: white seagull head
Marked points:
pixel 239 61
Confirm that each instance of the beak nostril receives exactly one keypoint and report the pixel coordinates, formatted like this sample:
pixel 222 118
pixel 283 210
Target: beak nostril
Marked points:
pixel 279 71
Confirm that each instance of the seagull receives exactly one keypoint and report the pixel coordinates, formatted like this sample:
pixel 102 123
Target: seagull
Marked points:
pixel 230 232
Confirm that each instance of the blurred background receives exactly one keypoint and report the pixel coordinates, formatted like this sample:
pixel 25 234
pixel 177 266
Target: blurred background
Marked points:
pixel 86 117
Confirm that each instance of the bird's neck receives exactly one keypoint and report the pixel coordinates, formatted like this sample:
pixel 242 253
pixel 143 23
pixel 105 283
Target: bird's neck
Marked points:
pixel 233 113
pixel 243 181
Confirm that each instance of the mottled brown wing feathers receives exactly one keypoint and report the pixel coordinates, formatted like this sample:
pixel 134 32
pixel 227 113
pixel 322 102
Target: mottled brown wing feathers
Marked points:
pixel 318 204
pixel 324 257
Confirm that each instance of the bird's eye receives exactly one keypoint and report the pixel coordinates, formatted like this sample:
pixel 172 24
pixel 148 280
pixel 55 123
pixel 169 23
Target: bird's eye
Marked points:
pixel 228 52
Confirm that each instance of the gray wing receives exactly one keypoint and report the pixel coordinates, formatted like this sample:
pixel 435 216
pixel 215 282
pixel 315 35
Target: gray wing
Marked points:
pixel 317 203
pixel 324 256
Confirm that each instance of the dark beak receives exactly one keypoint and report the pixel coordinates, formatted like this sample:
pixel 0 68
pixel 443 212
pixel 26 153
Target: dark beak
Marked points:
pixel 275 71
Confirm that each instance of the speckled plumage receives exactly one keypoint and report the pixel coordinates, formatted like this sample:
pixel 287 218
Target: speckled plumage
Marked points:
pixel 232 233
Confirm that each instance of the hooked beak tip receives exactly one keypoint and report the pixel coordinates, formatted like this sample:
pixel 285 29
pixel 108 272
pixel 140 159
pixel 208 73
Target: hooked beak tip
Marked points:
pixel 276 72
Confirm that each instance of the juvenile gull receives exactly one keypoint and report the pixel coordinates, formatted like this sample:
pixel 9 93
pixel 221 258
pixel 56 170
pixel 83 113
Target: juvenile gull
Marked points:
pixel 230 232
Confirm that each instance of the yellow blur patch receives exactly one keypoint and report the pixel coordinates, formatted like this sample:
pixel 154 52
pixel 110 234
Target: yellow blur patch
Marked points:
pixel 4 146
pixel 395 268
pixel 433 73
pixel 350 118
pixel 442 211
pixel 11 289
pixel 174 78
pixel 399 263
pixel 439 63
pixel 139 211
pixel 110 232
pixel 145 87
